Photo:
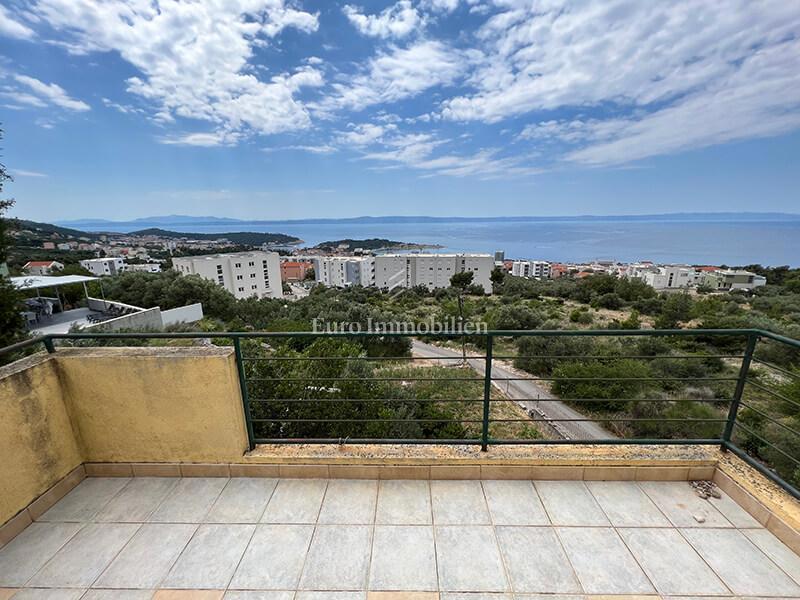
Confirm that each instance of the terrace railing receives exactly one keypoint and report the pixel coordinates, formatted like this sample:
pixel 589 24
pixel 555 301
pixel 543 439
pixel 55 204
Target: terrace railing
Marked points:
pixel 736 388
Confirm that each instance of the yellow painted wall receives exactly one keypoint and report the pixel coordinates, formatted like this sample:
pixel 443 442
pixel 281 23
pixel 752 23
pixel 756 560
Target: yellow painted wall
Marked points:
pixel 37 442
pixel 81 405
pixel 165 404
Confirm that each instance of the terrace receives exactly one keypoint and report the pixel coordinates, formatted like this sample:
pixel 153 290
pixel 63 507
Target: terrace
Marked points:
pixel 220 471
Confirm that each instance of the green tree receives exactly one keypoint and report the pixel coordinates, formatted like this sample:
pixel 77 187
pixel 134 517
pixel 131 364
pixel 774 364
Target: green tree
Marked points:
pixel 676 308
pixel 497 277
pixel 12 325
pixel 462 280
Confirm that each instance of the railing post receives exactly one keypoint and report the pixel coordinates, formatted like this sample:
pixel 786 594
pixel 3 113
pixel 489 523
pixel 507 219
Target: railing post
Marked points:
pixel 487 393
pixel 752 338
pixel 48 344
pixel 248 419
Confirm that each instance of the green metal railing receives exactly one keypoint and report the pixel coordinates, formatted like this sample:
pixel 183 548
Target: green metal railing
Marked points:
pixel 348 394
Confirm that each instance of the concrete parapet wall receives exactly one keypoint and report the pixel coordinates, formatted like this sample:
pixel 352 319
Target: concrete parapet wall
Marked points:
pixel 114 405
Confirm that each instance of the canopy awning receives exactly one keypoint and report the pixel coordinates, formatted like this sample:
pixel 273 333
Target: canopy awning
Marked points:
pixel 35 282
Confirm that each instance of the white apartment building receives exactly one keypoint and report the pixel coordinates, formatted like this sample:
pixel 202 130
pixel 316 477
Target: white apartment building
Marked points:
pixel 243 274
pixel 540 269
pixel 144 267
pixel 344 271
pixel 661 277
pixel 431 270
pixel 104 266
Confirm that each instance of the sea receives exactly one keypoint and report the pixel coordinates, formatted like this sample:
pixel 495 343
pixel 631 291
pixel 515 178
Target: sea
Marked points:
pixel 733 243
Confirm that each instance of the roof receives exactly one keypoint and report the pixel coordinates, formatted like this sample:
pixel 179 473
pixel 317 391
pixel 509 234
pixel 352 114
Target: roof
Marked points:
pixel 40 263
pixel 33 282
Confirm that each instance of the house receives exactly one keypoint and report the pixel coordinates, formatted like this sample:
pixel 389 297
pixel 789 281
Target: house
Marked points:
pixel 294 270
pixel 42 267
pixel 733 279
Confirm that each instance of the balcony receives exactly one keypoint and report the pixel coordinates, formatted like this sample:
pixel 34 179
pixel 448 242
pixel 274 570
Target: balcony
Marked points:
pixel 217 471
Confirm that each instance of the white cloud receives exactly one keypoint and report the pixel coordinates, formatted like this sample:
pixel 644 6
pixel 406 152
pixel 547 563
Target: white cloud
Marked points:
pixel 365 134
pixel 672 75
pixel 397 21
pixel 194 58
pixel 319 149
pixel 10 27
pixel 51 93
pixel 205 139
pixel 418 151
pixel 24 173
pixel 397 74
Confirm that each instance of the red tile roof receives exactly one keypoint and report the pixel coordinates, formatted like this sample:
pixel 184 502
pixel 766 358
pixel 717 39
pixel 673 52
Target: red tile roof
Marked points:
pixel 39 263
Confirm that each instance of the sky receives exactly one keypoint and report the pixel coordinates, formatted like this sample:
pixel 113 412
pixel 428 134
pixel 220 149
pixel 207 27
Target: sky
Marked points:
pixel 280 109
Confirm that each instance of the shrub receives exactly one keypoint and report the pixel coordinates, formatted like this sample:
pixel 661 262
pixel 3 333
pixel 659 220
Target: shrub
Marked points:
pixel 606 380
pixel 540 351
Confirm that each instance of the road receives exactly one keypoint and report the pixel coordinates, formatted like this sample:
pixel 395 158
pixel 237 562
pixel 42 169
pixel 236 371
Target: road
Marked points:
pixel 526 393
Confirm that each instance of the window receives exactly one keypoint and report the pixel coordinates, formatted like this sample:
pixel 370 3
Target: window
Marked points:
pixel 241 289
pixel 251 264
pixel 239 277
pixel 238 265
pixel 252 275
pixel 253 287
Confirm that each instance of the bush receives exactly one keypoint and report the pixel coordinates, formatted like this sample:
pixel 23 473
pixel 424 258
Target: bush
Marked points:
pixel 602 380
pixel 581 315
pixel 541 349
pixel 611 301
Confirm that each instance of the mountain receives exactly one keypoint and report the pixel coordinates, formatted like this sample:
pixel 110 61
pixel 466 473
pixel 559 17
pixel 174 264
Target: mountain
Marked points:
pixel 184 221
pixel 167 220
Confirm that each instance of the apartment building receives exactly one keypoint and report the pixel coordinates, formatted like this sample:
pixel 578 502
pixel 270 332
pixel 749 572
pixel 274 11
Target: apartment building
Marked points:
pixel 344 271
pixel 661 277
pixel 104 266
pixel 431 270
pixel 731 279
pixel 539 269
pixel 243 274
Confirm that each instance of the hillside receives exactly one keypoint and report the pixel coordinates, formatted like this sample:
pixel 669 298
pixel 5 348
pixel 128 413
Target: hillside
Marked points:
pixel 371 244
pixel 246 238
pixel 49 229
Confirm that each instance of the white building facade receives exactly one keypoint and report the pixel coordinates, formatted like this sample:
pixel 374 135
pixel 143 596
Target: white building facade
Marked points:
pixel 104 266
pixel 431 270
pixel 243 274
pixel 539 269
pixel 344 271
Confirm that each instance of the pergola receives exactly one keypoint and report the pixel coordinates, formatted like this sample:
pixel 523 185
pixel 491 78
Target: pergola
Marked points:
pixel 38 282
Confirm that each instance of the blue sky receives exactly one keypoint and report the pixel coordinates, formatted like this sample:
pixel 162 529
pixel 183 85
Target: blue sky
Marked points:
pixel 289 109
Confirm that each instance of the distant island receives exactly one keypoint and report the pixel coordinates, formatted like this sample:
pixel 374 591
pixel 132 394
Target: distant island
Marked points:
pixel 244 238
pixel 372 244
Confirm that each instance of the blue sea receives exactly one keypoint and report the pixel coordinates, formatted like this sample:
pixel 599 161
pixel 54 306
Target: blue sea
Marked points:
pixel 694 242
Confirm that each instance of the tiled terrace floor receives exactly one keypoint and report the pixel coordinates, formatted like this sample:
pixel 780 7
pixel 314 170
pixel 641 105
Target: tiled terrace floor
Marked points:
pixel 295 539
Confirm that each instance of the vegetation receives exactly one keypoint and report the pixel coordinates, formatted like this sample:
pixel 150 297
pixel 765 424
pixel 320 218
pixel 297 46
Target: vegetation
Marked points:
pixel 12 326
pixel 367 244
